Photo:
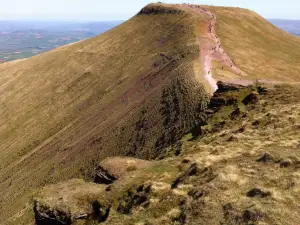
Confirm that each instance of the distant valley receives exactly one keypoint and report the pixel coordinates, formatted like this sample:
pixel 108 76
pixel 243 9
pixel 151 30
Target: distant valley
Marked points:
pixel 24 39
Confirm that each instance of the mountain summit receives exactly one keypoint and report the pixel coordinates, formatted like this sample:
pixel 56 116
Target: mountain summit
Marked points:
pixel 133 91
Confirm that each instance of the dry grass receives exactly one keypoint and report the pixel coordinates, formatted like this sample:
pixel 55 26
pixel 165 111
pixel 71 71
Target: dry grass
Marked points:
pixel 63 111
pixel 132 90
pixel 221 195
pixel 118 166
pixel 259 48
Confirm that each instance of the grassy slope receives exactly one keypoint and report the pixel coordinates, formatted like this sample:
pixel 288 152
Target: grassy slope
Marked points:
pixel 231 153
pixel 259 48
pixel 126 92
pixel 219 193
pixel 75 101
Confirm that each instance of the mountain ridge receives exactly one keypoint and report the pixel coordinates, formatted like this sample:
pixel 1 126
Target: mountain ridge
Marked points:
pixel 133 91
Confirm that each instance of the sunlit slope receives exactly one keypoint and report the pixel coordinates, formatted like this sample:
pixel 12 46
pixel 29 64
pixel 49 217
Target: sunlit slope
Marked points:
pixel 130 91
pixel 259 48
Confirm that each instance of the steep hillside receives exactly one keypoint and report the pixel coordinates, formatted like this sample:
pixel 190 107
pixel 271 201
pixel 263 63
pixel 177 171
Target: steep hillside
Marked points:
pixel 243 170
pixel 133 91
pixel 260 49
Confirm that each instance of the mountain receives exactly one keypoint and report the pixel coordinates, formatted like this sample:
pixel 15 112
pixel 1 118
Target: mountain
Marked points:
pixel 133 91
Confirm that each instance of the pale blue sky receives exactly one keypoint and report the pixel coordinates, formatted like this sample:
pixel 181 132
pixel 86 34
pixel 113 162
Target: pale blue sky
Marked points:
pixel 124 9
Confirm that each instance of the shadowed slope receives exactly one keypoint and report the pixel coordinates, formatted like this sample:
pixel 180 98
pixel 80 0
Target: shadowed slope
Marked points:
pixel 130 91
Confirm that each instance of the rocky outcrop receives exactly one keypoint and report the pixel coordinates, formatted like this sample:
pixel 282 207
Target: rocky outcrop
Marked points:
pixel 66 203
pixel 103 177
pixel 220 98
pixel 139 196
pixel 45 215
pixel 225 87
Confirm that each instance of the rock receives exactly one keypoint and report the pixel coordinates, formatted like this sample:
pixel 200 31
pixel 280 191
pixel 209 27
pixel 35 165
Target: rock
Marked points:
pixel 248 216
pixel 266 158
pixel 196 131
pixel 202 175
pixel 252 98
pixel 255 123
pixel 217 102
pixel 135 197
pixel 196 193
pixel 185 161
pixel 237 113
pixel 46 216
pixel 191 171
pixel 262 90
pixel 209 112
pixel 256 192
pixel 220 98
pixel 286 163
pixel 100 213
pixel 251 216
pixel 231 138
pixel 225 87
pixel 240 130
pixel 67 202
pixel 218 126
pixel 103 177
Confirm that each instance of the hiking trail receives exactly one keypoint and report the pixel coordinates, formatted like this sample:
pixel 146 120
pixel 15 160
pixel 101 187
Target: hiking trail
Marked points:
pixel 211 48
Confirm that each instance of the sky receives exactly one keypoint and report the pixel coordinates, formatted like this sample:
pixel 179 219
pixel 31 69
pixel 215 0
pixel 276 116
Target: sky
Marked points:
pixel 100 10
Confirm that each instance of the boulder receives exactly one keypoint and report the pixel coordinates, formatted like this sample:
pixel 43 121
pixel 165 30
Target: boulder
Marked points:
pixel 252 98
pixel 256 192
pixel 225 87
pixel 266 158
pixel 68 202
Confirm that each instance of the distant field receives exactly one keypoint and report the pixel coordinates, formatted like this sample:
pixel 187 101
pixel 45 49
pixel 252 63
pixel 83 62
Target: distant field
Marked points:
pixel 19 39
pixel 25 39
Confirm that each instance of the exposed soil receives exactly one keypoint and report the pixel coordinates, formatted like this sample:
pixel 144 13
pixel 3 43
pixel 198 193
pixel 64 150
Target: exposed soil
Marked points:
pixel 211 49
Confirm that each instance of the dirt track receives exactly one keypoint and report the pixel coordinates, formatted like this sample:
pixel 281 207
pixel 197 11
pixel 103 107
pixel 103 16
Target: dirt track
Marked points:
pixel 211 48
